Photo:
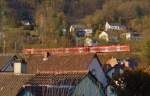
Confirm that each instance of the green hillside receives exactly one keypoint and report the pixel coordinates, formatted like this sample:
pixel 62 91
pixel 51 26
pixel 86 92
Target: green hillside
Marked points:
pixel 40 23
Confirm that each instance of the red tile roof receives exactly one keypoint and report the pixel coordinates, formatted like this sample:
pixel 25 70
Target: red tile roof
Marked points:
pixel 59 64
pixel 67 63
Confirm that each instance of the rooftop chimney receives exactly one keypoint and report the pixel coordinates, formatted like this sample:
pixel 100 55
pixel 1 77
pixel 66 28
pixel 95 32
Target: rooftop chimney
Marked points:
pixel 19 67
pixel 46 54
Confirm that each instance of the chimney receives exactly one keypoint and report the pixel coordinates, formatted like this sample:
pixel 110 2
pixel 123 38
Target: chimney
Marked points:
pixel 46 54
pixel 19 67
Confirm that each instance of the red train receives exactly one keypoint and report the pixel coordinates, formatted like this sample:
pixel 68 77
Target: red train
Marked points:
pixel 76 50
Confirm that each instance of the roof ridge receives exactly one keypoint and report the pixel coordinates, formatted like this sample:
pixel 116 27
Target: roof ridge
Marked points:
pixel 11 73
pixel 62 72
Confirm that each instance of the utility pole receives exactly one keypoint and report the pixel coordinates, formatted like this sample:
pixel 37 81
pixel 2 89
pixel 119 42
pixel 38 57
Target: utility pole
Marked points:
pixel 4 46
pixel 42 27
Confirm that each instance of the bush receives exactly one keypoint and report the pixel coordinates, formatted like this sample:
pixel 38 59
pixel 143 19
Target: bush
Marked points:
pixel 136 83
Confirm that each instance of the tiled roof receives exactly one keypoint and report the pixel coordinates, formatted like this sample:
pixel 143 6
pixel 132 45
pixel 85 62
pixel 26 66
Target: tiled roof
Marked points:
pixel 57 70
pixel 67 63
pixel 59 64
pixel 11 84
pixel 54 84
pixel 56 79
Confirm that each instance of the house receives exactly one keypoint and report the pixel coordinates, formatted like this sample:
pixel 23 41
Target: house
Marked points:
pixel 82 31
pixel 104 36
pixel 54 76
pixel 136 36
pixel 114 27
pixel 10 81
pixel 83 89
pixel 77 29
pixel 88 32
pixel 28 24
pixel 126 36
pixel 25 23
pixel 13 64
pixel 79 32
pixel 65 73
pixel 88 42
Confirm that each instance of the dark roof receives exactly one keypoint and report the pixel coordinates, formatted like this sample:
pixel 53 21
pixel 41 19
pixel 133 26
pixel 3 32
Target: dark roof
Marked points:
pixel 3 60
pixel 117 24
pixel 56 79
pixel 55 84
pixel 11 84
pixel 59 64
